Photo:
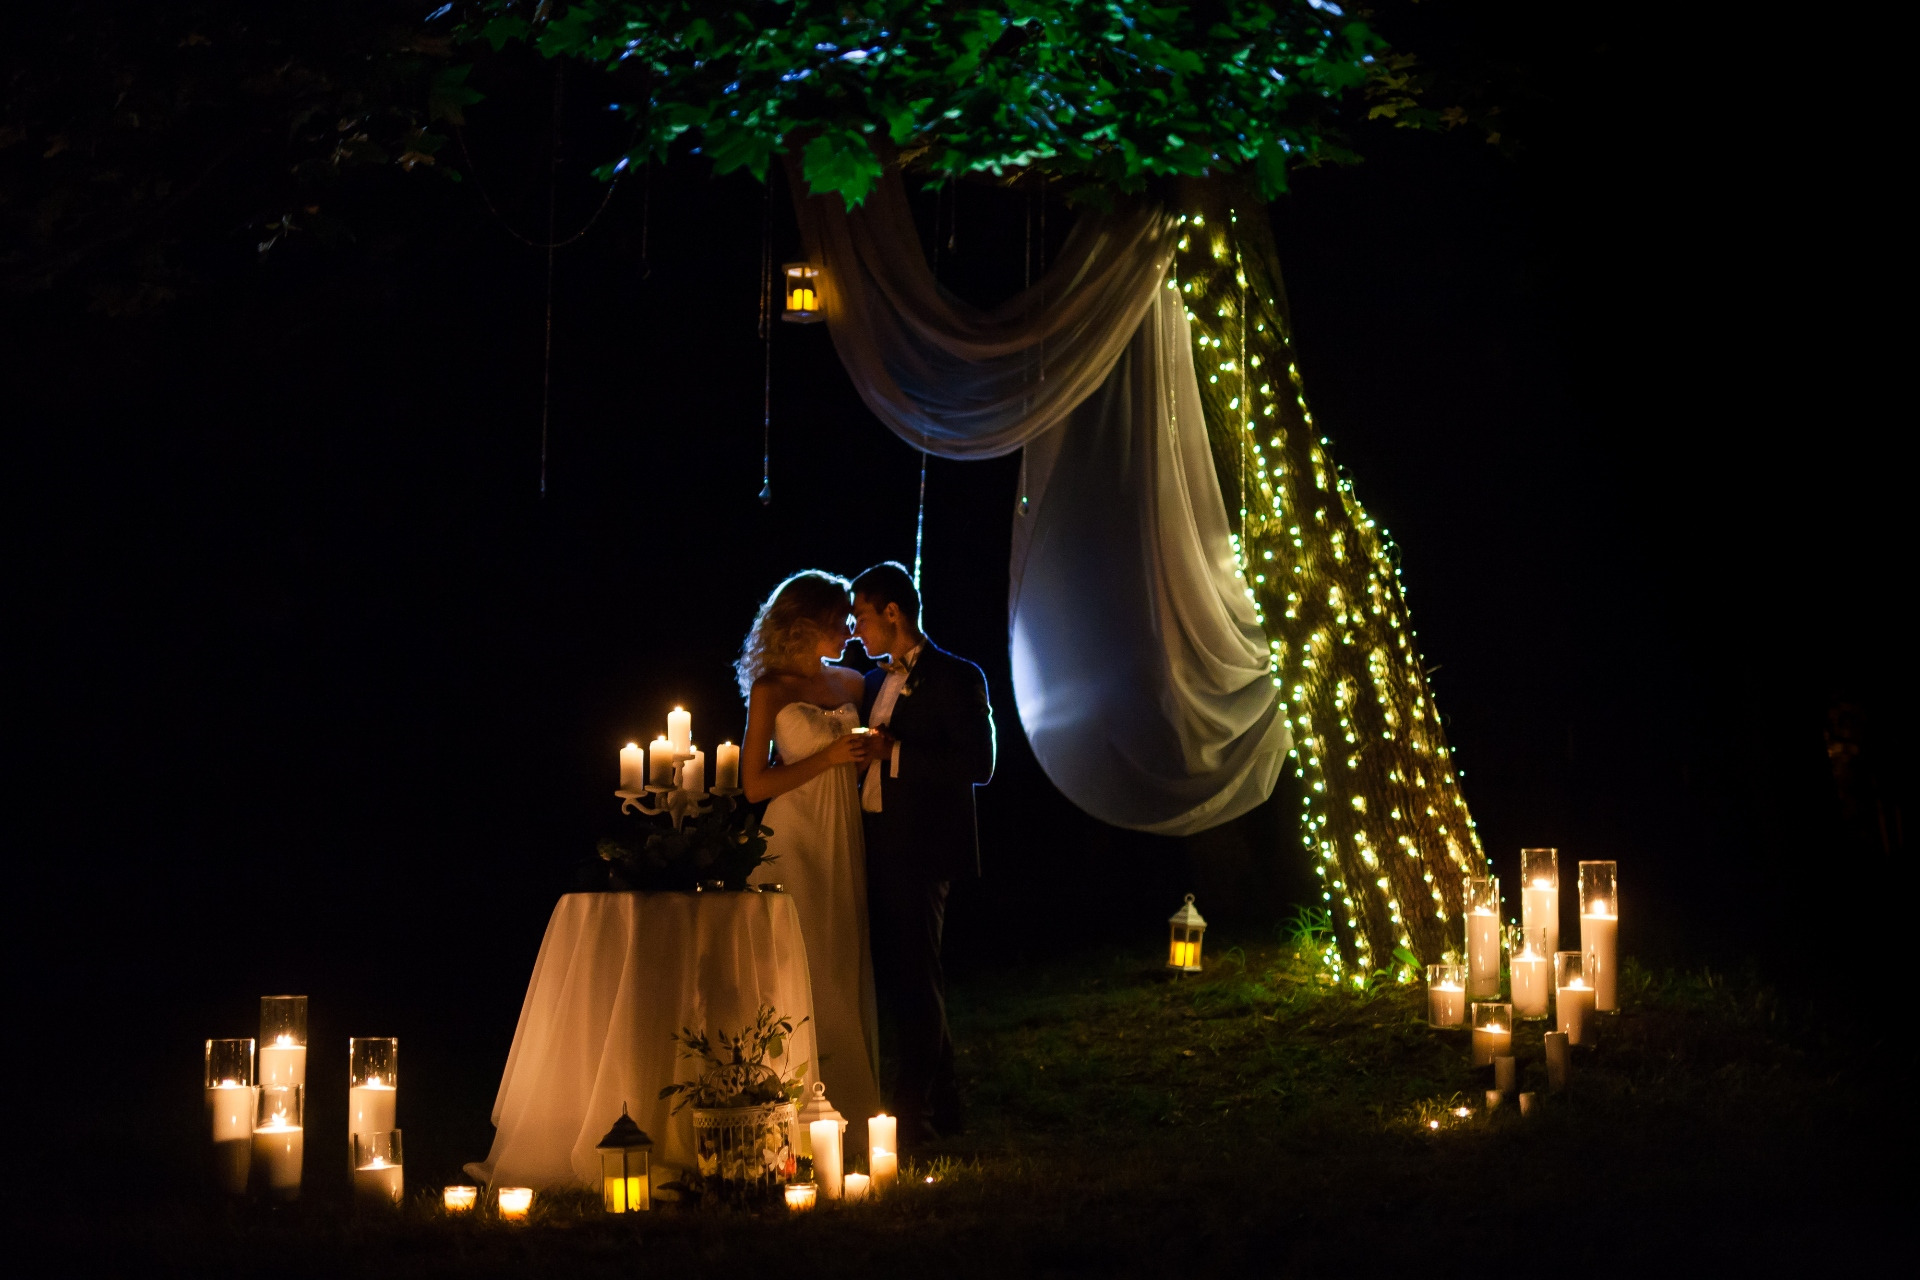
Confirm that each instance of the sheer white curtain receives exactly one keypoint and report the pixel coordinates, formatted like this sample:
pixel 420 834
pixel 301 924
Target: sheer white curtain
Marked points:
pixel 1139 671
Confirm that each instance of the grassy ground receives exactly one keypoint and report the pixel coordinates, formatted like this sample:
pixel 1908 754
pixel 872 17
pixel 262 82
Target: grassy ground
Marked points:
pixel 1250 1121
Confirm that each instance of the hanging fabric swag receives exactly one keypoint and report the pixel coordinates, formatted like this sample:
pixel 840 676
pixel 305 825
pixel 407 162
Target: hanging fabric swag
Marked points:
pixel 1139 669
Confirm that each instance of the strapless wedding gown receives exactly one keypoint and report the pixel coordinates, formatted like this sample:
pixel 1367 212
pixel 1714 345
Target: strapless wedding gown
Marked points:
pixel 822 853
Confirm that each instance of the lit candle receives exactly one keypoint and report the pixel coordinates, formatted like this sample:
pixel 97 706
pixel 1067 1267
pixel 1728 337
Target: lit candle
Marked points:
pixel 886 1168
pixel 1575 1005
pixel 230 1107
pixel 1599 938
pixel 283 1062
pixel 825 1137
pixel 459 1199
pixel 1527 964
pixel 1540 894
pixel 680 731
pixel 802 300
pixel 856 1186
pixel 1491 1041
pixel 1446 997
pixel 1483 935
pixel 800 1196
pixel 279 1149
pixel 633 768
pixel 883 1133
pixel 693 773
pixel 726 766
pixel 370 1107
pixel 1557 1059
pixel 514 1203
pixel 378 1180
pixel 660 763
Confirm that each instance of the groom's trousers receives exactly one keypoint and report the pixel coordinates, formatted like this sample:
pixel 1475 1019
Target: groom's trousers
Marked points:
pixel 908 915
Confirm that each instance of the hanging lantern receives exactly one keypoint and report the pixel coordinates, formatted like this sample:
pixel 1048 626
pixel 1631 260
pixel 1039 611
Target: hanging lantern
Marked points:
pixel 803 294
pixel 1183 953
pixel 623 1167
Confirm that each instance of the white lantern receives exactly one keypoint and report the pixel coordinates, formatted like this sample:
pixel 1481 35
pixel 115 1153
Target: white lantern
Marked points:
pixel 804 304
pixel 1183 949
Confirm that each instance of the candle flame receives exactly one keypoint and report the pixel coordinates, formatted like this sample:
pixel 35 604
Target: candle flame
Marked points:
pixel 1433 1124
pixel 1540 882
pixel 1494 1028
pixel 1462 1112
pixel 633 746
pixel 1578 984
pixel 378 1162
pixel 228 1084
pixel 284 1041
pixel 1601 909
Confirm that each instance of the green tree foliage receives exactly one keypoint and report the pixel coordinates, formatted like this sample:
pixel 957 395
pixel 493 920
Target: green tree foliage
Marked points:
pixel 1106 96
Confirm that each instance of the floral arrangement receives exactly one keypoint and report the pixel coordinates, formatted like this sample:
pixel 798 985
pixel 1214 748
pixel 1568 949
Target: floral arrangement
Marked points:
pixel 725 844
pixel 743 1113
pixel 736 1070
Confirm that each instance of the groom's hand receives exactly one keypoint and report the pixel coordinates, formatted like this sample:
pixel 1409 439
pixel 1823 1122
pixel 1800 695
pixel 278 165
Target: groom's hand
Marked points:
pixel 875 744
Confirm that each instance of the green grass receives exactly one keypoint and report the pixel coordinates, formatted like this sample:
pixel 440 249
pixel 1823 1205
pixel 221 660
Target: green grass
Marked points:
pixel 1248 1121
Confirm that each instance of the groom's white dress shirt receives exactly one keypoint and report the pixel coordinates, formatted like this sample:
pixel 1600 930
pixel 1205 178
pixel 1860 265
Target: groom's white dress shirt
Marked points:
pixel 879 718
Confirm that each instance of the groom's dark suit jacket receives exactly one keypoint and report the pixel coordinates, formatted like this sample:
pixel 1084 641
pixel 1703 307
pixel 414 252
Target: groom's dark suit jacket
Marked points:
pixel 926 827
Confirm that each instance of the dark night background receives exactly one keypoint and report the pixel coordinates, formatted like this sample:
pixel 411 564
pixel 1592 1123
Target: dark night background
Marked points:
pixel 311 690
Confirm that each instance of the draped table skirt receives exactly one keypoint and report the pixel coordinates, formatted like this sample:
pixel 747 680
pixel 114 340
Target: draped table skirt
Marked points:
pixel 617 975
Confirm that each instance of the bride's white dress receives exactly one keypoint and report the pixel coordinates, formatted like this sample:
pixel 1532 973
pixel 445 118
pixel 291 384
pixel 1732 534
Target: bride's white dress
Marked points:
pixel 822 853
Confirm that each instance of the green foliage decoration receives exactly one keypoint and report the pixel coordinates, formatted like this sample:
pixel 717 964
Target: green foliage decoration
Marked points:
pixel 1103 96
pixel 725 844
pixel 735 1070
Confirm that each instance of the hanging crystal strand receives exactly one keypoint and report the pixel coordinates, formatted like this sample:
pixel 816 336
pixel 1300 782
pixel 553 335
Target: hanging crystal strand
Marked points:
pixel 766 341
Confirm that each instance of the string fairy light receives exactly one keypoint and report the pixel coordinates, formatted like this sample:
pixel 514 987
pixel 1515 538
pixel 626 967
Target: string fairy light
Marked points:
pixel 1381 813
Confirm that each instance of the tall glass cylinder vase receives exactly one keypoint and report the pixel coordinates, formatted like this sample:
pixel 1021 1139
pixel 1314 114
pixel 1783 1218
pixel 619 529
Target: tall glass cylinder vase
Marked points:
pixel 1483 936
pixel 1446 996
pixel 378 1171
pixel 373 1086
pixel 1530 971
pixel 1540 894
pixel 1572 996
pixel 230 1108
pixel 279 1141
pixel 283 1040
pixel 1600 930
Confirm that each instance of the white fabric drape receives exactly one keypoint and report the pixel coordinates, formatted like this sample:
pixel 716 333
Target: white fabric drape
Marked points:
pixel 1139 669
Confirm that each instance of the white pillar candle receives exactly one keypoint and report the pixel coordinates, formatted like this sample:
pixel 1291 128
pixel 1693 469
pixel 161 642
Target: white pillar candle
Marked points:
pixel 856 1186
pixel 660 763
pixel 1599 932
pixel 1558 1056
pixel 230 1110
pixel 1540 909
pixel 370 1109
pixel 883 1133
pixel 1446 1005
pixel 279 1149
pixel 1575 1006
pixel 378 1180
pixel 283 1062
pixel 726 766
pixel 1491 1042
pixel 1505 1073
pixel 1530 983
pixel 825 1137
pixel 633 768
pixel 514 1203
pixel 886 1168
pixel 693 773
pixel 680 730
pixel 1483 954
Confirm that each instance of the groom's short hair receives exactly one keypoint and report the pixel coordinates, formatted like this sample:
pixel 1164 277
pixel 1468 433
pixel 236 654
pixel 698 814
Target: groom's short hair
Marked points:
pixel 889 583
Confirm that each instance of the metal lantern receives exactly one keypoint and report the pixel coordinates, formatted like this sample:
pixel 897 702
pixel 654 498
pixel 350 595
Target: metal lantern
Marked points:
pixel 804 304
pixel 623 1167
pixel 1186 926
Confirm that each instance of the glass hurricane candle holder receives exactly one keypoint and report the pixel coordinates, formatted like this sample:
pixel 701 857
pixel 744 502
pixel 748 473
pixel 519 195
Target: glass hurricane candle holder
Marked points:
pixel 1540 894
pixel 1446 995
pixel 1529 968
pixel 378 1170
pixel 283 1040
pixel 1600 930
pixel 373 1084
pixel 1492 1031
pixel 459 1199
pixel 515 1202
pixel 800 1196
pixel 1573 996
pixel 279 1141
pixel 1185 928
pixel 230 1108
pixel 1483 936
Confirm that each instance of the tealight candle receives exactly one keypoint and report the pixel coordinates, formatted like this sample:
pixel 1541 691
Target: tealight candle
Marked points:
pixel 633 768
pixel 660 763
pixel 459 1199
pixel 680 731
pixel 800 1196
pixel 825 1137
pixel 726 767
pixel 514 1203
pixel 1573 998
pixel 1492 1031
pixel 856 1186
pixel 1446 995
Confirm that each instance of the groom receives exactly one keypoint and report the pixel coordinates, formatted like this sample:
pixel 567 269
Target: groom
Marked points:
pixel 932 744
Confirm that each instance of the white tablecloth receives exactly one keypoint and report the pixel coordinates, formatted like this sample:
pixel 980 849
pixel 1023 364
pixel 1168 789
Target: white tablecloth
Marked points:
pixel 618 974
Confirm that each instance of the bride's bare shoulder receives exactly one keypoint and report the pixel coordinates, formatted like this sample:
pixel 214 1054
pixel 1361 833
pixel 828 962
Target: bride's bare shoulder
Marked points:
pixel 771 694
pixel 848 683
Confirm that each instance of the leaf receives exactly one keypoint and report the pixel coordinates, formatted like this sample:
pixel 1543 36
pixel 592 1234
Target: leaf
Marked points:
pixel 841 161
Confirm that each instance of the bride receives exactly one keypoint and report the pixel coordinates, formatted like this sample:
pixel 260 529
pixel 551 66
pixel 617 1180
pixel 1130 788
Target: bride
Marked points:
pixel 800 753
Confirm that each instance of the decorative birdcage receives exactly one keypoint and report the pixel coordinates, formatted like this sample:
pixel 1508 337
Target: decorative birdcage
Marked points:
pixel 745 1155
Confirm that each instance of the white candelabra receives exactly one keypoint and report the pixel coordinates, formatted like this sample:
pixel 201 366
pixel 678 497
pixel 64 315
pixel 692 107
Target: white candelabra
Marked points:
pixel 670 777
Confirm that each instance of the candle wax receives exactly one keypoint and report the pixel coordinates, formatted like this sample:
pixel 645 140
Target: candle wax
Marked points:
pixel 370 1109
pixel 883 1133
pixel 885 1166
pixel 693 773
pixel 1540 909
pixel 1483 954
pixel 379 1181
pixel 1529 985
pixel 1446 1006
pixel 825 1136
pixel 726 766
pixel 278 1152
pixel 283 1063
pixel 1599 934
pixel 680 731
pixel 660 763
pixel 1575 1006
pixel 1490 1043
pixel 855 1186
pixel 633 767
pixel 230 1111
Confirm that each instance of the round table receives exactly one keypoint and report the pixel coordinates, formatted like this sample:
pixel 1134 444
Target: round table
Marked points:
pixel 618 974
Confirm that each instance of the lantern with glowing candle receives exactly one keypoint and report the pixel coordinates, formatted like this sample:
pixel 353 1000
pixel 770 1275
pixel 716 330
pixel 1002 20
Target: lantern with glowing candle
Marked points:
pixel 378 1172
pixel 230 1107
pixel 815 1109
pixel 1446 995
pixel 283 1040
pixel 1483 935
pixel 1540 894
pixel 624 1156
pixel 804 305
pixel 1186 927
pixel 1600 931
pixel 373 1085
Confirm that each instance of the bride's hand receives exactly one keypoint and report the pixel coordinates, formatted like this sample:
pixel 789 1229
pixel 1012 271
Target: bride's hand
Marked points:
pixel 846 749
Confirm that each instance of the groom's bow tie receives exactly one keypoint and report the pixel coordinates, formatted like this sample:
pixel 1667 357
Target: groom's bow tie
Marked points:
pixel 893 668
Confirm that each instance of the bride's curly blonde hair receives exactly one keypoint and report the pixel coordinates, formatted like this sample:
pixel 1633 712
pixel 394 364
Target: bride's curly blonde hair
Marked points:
pixel 800 611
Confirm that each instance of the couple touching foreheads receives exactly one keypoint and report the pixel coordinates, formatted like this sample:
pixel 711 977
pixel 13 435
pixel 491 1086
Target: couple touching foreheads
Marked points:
pixel 870 780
